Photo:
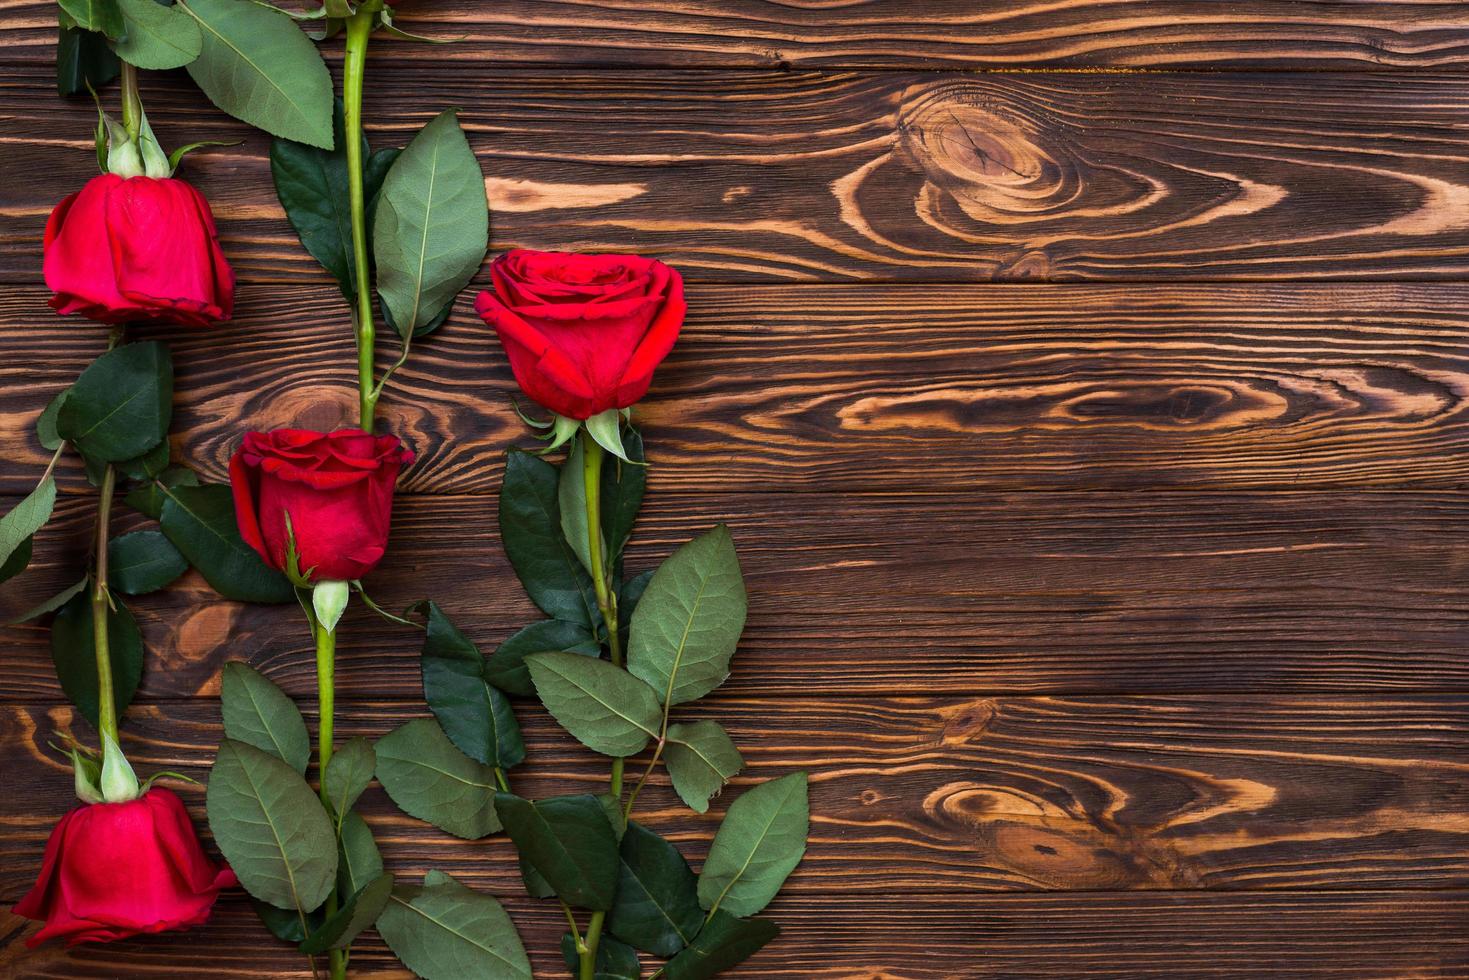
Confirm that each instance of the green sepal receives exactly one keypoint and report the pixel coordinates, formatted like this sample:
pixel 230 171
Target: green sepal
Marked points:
pixel 118 783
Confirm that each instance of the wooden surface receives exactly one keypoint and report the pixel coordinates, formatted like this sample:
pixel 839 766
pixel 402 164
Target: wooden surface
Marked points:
pixel 1084 383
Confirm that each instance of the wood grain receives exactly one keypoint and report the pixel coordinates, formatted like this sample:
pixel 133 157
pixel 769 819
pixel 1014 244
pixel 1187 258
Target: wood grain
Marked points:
pixel 1168 936
pixel 954 794
pixel 858 388
pixel 1375 34
pixel 904 593
pixel 741 176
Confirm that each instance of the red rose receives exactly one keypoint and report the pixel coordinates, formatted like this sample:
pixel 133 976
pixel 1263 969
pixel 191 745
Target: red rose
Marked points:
pixel 114 870
pixel 137 248
pixel 583 332
pixel 337 490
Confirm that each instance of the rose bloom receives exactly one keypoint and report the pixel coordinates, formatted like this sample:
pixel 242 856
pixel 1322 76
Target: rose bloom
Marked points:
pixel 583 332
pixel 337 490
pixel 137 248
pixel 114 870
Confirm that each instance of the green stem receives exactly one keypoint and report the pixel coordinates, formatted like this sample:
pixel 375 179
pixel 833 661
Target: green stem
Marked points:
pixel 589 946
pixel 101 606
pixel 132 101
pixel 359 29
pixel 326 696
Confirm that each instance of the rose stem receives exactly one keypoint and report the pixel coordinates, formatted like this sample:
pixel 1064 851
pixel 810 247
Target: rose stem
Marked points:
pixel 132 101
pixel 359 29
pixel 591 470
pixel 326 655
pixel 101 601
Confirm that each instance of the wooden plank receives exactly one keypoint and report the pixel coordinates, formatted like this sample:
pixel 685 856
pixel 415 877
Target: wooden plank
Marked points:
pixel 955 794
pixel 741 176
pixel 856 388
pixel 904 594
pixel 1374 34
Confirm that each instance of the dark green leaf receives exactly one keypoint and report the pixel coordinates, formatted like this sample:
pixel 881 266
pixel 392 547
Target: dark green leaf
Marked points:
pixel 149 499
pixel 657 908
pixel 689 620
pixel 629 594
pixel 700 759
pixel 143 561
pixel 506 667
pixel 622 496
pixel 102 16
pixel 725 942
pixel 257 66
pixel 535 885
pixel 154 461
pixel 27 517
pixel 82 59
pixel 46 422
pixel 358 859
pixel 348 773
pixel 530 530
pixel 75 656
pixel 758 845
pixel 17 562
pixel 271 828
pixel 355 915
pixel 259 713
pixel 432 225
pixel 476 717
pixel 158 37
pixel 571 499
pixel 570 843
pixel 607 709
pixel 286 923
pixel 615 960
pixel 200 521
pixel 121 405
pixel 432 780
pixel 446 931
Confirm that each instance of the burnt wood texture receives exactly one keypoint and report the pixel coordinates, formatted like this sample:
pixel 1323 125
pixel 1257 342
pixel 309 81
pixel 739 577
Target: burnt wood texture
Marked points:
pixel 1084 384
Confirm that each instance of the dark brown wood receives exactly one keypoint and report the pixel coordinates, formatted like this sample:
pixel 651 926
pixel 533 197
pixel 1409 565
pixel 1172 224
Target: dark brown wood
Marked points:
pixel 741 176
pixel 1375 34
pixel 852 388
pixel 957 795
pixel 904 594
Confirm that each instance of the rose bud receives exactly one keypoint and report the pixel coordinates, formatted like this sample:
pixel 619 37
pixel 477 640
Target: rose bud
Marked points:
pixel 324 500
pixel 114 870
pixel 583 332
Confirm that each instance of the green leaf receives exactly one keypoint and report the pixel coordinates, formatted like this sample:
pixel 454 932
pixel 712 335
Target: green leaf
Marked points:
pixel 46 422
pixel 271 828
pixel 200 521
pixel 355 915
pixel 725 942
pixel 446 931
pixel 313 187
pixel 157 36
pixel 432 780
pixel 607 709
pixel 286 923
pixel 358 859
pixel 432 225
pixel 657 908
pixel 259 713
pixel 143 561
pixel 75 656
pixel 257 66
pixel 152 463
pixel 83 59
pixel 623 485
pixel 700 759
pixel 349 773
pixel 689 620
pixel 17 562
pixel 49 605
pixel 102 16
pixel 121 405
pixel 535 885
pixel 570 843
pixel 571 500
pixel 149 499
pixel 506 668
pixel 476 717
pixel 758 845
pixel 530 530
pixel 28 517
pixel 615 960
pixel 629 594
